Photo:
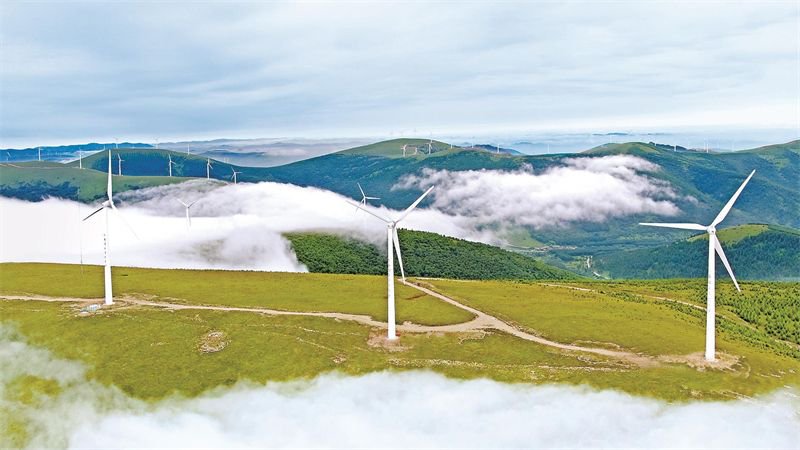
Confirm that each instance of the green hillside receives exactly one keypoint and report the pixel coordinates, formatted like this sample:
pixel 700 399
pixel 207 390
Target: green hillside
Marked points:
pixel 35 181
pixel 155 162
pixel 756 252
pixel 424 255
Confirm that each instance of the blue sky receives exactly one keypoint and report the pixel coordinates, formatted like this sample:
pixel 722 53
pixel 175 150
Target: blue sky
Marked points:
pixel 78 72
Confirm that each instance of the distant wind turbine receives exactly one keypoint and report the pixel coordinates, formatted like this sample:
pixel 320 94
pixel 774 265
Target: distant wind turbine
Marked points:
pixel 80 158
pixel 430 145
pixel 208 168
pixel 119 164
pixel 169 164
pixel 187 149
pixel 40 153
pixel 106 206
pixel 404 150
pixel 713 246
pixel 393 242
pixel 188 216
pixel 364 196
pixel 233 177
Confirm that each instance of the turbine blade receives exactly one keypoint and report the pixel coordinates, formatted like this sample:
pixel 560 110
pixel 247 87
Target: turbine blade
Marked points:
pixel 372 198
pixel 721 253
pixel 190 204
pixel 95 212
pixel 116 211
pixel 721 216
pixel 396 241
pixel 362 190
pixel 414 205
pixel 358 206
pixel 682 226
pixel 181 202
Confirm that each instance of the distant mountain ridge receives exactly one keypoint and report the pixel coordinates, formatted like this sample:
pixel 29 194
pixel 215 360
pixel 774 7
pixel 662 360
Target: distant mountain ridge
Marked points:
pixel 755 251
pixel 702 181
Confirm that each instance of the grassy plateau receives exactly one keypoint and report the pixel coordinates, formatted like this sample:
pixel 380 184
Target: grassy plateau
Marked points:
pixel 152 353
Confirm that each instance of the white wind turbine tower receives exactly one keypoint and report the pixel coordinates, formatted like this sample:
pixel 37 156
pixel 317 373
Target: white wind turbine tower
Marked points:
pixel 208 168
pixel 430 144
pixel 393 242
pixel 713 246
pixel 40 153
pixel 404 150
pixel 187 149
pixel 187 206
pixel 233 177
pixel 171 162
pixel 119 164
pixel 80 158
pixel 364 196
pixel 106 206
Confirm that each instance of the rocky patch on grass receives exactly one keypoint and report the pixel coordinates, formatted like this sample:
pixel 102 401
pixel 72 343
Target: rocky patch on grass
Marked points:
pixel 212 342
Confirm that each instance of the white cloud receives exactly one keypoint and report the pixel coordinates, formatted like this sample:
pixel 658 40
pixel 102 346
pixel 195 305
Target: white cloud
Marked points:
pixel 233 227
pixel 380 410
pixel 584 189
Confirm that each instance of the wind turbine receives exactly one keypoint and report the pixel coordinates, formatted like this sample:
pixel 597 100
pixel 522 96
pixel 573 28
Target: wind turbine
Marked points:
pixel 170 164
pixel 40 153
pixel 119 165
pixel 106 206
pixel 187 149
pixel 233 177
pixel 187 206
pixel 80 158
pixel 404 150
pixel 713 246
pixel 208 168
pixel 364 197
pixel 393 242
pixel 429 146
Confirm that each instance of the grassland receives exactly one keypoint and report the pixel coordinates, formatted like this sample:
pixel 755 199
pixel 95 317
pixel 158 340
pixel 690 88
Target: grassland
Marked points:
pixel 152 353
pixel 349 294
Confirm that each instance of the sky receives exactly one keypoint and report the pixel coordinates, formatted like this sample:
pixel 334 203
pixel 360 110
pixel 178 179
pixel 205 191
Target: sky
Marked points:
pixel 76 72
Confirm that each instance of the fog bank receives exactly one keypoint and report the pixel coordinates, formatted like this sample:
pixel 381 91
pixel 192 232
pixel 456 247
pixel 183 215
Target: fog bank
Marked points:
pixel 379 410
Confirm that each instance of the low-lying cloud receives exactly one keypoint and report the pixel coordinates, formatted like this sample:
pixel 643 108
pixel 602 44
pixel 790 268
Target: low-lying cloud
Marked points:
pixel 584 189
pixel 232 227
pixel 240 226
pixel 379 410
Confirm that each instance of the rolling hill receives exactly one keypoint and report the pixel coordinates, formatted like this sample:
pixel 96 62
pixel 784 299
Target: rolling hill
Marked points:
pixel 755 251
pixel 703 182
pixel 35 181
pixel 424 255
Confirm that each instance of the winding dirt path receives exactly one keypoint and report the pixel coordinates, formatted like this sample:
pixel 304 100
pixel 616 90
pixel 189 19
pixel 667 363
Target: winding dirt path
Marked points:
pixel 481 322
pixel 487 321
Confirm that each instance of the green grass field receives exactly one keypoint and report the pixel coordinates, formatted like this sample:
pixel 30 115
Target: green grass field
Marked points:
pixel 284 291
pixel 153 353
